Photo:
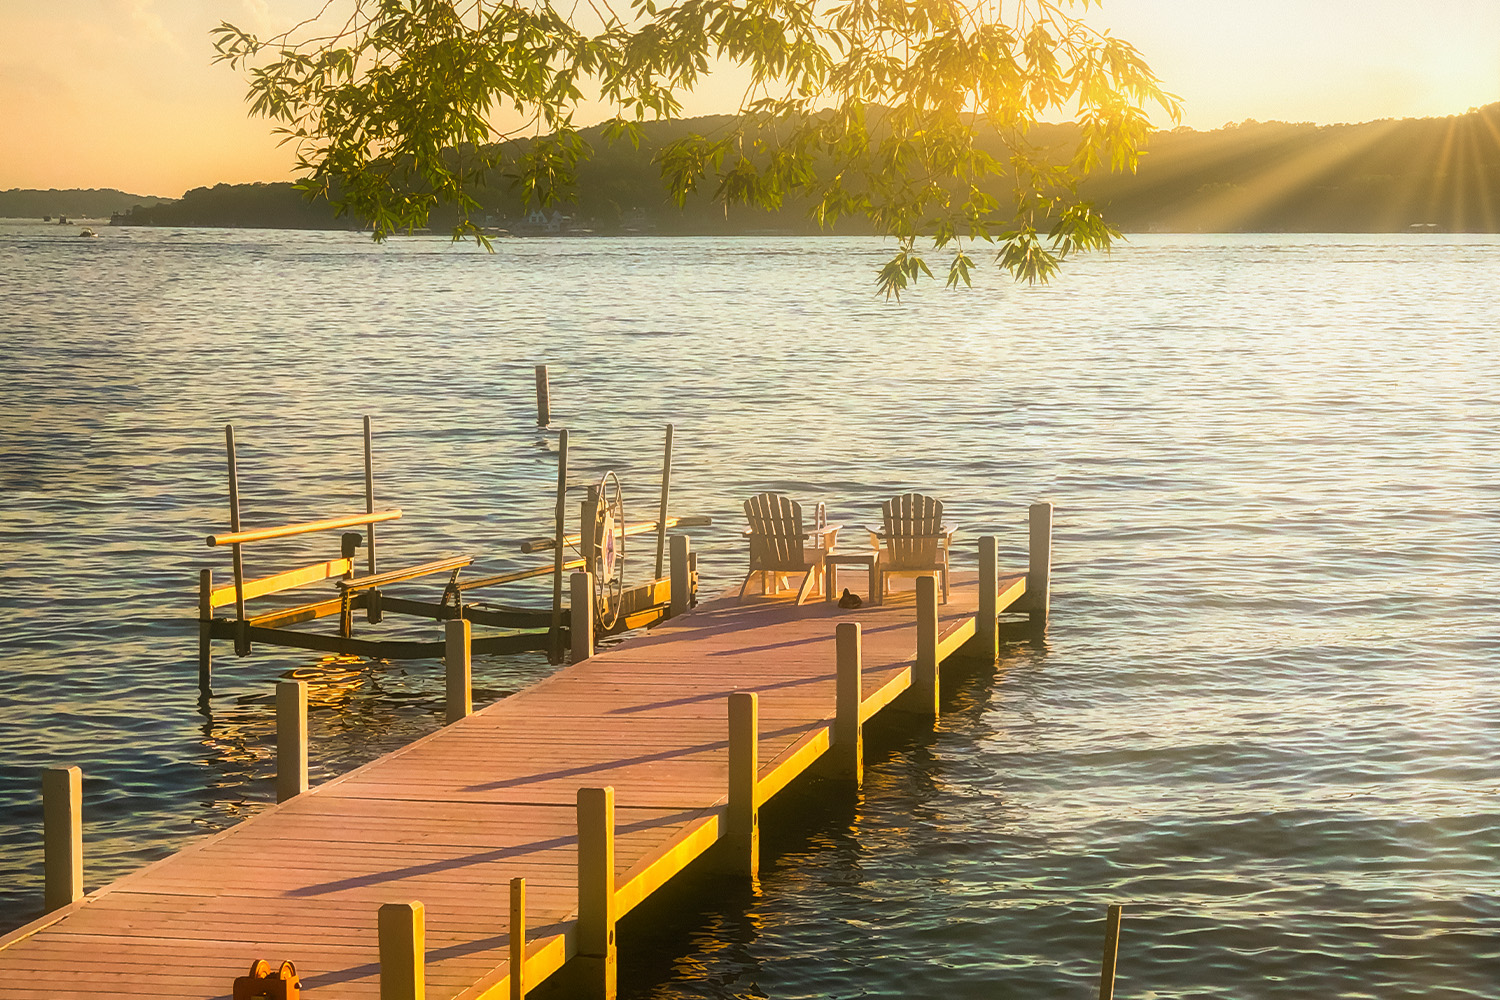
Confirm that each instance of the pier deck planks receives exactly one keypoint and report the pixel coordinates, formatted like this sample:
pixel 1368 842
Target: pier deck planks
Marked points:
pixel 451 818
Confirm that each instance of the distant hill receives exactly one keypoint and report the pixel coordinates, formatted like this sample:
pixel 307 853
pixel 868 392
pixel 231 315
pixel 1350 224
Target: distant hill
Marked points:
pixel 243 206
pixel 90 203
pixel 1429 174
pixel 1438 174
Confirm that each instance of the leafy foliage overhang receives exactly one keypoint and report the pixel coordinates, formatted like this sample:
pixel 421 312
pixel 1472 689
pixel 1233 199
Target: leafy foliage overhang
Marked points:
pixel 853 108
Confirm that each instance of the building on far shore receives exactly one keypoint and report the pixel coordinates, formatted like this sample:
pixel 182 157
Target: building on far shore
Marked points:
pixel 540 221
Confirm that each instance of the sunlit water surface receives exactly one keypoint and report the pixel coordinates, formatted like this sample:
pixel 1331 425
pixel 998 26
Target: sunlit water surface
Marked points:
pixel 1265 716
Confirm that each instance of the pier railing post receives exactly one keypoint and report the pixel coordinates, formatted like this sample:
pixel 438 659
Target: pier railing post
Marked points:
pixel 291 739
pixel 848 731
pixel 682 575
pixel 596 892
pixel 403 951
pixel 517 939
pixel 581 614
pixel 743 819
pixel 1039 570
pixel 1111 952
pixel 457 658
pixel 543 397
pixel 62 834
pixel 925 685
pixel 987 622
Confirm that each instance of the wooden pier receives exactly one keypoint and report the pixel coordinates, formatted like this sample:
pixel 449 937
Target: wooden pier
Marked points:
pixel 558 809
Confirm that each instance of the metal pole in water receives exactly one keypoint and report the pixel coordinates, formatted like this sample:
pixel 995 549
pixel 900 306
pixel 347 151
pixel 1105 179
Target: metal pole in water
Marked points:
pixel 560 530
pixel 1111 951
pixel 666 488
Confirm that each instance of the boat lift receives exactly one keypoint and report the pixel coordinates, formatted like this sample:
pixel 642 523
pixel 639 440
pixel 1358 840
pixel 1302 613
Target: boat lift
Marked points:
pixel 600 544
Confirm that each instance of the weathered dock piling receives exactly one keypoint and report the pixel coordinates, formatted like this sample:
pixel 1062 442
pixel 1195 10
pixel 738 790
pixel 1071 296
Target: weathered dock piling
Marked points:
pixel 62 820
pixel 291 739
pixel 543 397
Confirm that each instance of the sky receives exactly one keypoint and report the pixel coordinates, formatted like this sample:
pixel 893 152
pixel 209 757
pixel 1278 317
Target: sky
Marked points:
pixel 123 93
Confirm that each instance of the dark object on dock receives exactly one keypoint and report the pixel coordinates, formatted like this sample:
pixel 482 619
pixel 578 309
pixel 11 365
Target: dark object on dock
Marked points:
pixel 849 599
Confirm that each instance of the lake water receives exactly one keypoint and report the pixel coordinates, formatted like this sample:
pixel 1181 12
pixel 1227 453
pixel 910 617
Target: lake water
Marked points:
pixel 1265 716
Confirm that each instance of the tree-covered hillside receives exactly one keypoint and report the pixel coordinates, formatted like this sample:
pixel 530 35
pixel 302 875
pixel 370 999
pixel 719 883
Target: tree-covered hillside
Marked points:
pixel 1431 173
pixel 92 203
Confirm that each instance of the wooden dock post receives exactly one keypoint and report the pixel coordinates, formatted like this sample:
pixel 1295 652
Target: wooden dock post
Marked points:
pixel 596 893
pixel 1039 569
pixel 543 397
pixel 458 659
pixel 661 518
pixel 925 684
pixel 403 951
pixel 848 749
pixel 743 818
pixel 291 739
pixel 62 834
pixel 205 631
pixel 1111 952
pixel 518 939
pixel 987 619
pixel 682 575
pixel 581 614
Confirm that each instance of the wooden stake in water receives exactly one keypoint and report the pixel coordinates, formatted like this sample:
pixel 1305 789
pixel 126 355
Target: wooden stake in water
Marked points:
pixel 543 397
pixel 1111 951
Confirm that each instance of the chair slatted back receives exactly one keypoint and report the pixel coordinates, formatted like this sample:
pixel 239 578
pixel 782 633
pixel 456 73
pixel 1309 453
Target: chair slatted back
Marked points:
pixel 913 531
pixel 776 537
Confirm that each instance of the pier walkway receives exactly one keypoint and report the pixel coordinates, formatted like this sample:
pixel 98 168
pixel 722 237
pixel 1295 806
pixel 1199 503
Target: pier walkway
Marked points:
pixel 451 819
